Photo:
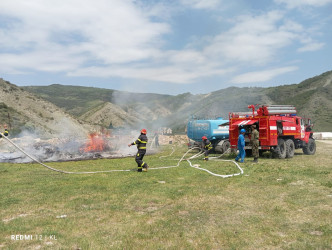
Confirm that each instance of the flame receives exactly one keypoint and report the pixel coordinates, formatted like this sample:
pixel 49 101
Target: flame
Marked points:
pixel 96 143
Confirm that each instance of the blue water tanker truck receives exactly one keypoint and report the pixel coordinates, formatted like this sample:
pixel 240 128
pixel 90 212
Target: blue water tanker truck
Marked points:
pixel 217 132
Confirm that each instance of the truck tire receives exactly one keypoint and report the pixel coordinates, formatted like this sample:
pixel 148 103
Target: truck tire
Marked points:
pixel 290 148
pixel 221 146
pixel 218 146
pixel 226 146
pixel 310 147
pixel 280 150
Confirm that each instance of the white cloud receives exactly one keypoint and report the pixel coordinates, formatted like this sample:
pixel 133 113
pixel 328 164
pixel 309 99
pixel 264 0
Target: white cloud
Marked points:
pixel 261 76
pixel 255 39
pixel 258 39
pixel 201 4
pixel 117 37
pixel 311 47
pixel 310 44
pixel 171 73
pixel 43 61
pixel 109 31
pixel 299 3
pixel 185 57
pixel 127 38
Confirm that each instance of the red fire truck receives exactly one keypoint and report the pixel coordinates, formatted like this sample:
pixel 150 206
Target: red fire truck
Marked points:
pixel 281 131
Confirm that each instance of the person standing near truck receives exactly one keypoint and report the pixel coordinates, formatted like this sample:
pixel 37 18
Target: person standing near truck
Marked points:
pixel 254 141
pixel 240 146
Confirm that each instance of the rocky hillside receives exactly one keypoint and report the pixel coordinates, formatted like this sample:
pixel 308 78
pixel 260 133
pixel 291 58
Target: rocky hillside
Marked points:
pixel 109 115
pixel 22 110
pixel 111 108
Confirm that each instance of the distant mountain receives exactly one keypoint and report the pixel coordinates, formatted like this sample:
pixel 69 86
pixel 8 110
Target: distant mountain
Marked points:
pixel 41 106
pixel 112 108
pixel 312 98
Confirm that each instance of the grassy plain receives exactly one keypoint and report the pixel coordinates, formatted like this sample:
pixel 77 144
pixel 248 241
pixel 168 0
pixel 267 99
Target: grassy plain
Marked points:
pixel 275 204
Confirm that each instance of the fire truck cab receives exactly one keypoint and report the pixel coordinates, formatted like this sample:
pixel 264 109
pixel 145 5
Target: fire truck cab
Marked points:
pixel 281 131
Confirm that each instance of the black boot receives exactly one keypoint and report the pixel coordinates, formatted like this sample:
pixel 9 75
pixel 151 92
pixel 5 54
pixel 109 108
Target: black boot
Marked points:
pixel 145 168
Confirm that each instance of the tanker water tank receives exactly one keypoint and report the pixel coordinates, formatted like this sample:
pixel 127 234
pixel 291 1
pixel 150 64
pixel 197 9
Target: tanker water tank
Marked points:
pixel 212 129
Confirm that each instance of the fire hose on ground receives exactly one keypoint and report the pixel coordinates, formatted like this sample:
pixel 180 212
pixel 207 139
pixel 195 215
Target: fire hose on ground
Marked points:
pixel 196 166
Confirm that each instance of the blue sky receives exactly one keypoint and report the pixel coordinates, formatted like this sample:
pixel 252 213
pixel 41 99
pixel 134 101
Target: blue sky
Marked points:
pixel 169 47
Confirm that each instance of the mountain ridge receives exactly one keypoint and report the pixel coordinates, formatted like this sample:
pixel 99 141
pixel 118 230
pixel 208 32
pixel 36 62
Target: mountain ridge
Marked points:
pixel 89 107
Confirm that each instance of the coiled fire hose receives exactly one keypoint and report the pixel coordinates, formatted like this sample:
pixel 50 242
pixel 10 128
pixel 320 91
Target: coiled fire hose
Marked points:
pixel 127 170
pixel 217 159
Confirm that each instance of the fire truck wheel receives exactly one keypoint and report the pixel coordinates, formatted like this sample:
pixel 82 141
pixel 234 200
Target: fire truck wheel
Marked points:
pixel 290 148
pixel 310 147
pixel 226 145
pixel 280 151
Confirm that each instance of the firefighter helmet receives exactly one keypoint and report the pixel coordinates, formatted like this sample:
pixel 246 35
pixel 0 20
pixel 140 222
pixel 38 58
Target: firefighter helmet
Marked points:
pixel 143 131
pixel 204 138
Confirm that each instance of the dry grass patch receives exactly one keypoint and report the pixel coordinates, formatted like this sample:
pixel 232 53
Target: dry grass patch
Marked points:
pixel 276 204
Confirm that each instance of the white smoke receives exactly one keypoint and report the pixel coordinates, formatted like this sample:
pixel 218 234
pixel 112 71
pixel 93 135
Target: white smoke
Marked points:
pixel 61 148
pixel 68 139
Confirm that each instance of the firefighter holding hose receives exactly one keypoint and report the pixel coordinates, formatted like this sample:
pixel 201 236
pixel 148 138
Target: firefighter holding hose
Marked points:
pixel 141 150
pixel 207 146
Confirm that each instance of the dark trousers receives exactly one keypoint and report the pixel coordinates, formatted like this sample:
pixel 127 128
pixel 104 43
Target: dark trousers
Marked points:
pixel 139 159
pixel 206 154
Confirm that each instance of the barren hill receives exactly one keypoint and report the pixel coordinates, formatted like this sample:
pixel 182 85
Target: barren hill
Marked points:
pixel 109 115
pixel 22 110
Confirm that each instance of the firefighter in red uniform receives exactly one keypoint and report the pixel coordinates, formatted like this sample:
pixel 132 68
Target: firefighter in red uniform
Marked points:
pixel 207 146
pixel 141 147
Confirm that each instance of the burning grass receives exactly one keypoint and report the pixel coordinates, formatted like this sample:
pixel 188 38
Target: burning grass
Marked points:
pixel 275 204
pixel 96 145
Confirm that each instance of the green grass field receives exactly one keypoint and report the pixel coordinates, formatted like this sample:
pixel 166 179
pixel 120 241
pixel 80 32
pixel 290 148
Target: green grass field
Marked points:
pixel 275 204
